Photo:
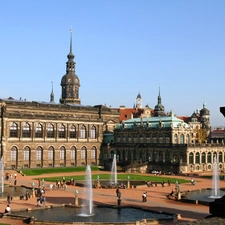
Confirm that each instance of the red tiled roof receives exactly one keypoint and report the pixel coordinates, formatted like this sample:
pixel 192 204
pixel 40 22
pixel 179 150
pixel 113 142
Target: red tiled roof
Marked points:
pixel 125 114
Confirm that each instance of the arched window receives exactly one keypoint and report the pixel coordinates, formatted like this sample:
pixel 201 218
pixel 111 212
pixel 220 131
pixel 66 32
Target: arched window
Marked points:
pixel 50 131
pixel 50 153
pixel 39 131
pixel 83 132
pixel 141 139
pixel 167 156
pixel 140 156
pixel 160 138
pixel 72 131
pixel 134 155
pixel 62 131
pixel 220 157
pixel 93 132
pixel 83 153
pixel 38 153
pixel 160 156
pixel 175 139
pixel 181 139
pixel 167 138
pixel 73 153
pixel 93 152
pixel 26 130
pixel 191 158
pixel 13 130
pixel 188 139
pixel 62 153
pixel 154 138
pixel 203 158
pixel 148 140
pixel 209 157
pixel 26 153
pixel 197 157
pixel 13 153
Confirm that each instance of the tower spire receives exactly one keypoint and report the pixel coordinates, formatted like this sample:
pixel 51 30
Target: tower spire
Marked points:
pixel 52 95
pixel 159 97
pixel 71 31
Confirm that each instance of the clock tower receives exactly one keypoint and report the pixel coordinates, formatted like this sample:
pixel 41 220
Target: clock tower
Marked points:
pixel 70 82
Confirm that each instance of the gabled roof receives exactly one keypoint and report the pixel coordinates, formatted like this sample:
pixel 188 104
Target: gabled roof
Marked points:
pixel 126 113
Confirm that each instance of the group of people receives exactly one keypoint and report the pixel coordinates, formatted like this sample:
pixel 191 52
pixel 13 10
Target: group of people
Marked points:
pixel 9 177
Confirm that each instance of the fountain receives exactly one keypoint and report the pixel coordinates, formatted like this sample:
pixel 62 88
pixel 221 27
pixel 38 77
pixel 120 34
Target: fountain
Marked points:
pixel 2 174
pixel 113 176
pixel 208 195
pixel 215 185
pixel 87 209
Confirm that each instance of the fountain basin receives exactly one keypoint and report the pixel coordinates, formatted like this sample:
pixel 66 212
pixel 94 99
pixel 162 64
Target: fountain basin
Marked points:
pixel 14 191
pixel 69 214
pixel 203 196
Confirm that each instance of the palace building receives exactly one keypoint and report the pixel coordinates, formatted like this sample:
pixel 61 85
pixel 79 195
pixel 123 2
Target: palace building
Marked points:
pixel 167 143
pixel 48 134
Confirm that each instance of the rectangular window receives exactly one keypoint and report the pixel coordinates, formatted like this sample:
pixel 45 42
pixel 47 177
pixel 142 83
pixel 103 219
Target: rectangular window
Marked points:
pixel 38 155
pixel 62 154
pixel 82 133
pixel 92 134
pixel 26 155
pixel 50 154
pixel 62 133
pixel 38 132
pixel 93 154
pixel 13 132
pixel 72 134
pixel 72 154
pixel 26 133
pixel 83 154
pixel 13 155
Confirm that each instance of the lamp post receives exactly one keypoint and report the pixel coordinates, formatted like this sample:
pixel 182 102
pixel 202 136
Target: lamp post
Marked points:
pixel 119 198
pixel 98 182
pixel 33 189
pixel 76 197
pixel 128 182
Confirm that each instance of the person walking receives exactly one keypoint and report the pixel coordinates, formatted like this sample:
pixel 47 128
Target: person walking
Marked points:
pixel 117 191
pixel 8 199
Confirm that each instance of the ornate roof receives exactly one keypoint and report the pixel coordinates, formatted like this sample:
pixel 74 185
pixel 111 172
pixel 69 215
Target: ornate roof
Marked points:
pixel 154 122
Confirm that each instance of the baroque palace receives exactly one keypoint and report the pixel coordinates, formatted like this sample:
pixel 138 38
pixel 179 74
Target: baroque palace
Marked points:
pixel 36 134
pixel 48 134
pixel 152 140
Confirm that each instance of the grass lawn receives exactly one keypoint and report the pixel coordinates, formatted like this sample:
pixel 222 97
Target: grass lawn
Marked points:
pixel 121 177
pixel 34 172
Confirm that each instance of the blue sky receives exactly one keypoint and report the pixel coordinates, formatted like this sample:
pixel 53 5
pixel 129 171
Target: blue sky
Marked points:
pixel 121 47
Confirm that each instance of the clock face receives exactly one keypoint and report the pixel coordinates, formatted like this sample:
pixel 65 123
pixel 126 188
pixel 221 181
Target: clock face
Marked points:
pixel 69 80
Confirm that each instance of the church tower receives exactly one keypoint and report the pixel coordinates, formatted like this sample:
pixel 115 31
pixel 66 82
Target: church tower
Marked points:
pixel 159 108
pixel 70 82
pixel 139 101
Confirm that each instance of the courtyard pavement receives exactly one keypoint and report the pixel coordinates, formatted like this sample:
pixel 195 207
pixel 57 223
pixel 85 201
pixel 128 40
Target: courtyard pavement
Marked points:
pixel 156 197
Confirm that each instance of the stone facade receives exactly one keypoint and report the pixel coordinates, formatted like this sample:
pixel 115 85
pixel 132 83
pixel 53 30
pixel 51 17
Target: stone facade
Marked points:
pixel 50 135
